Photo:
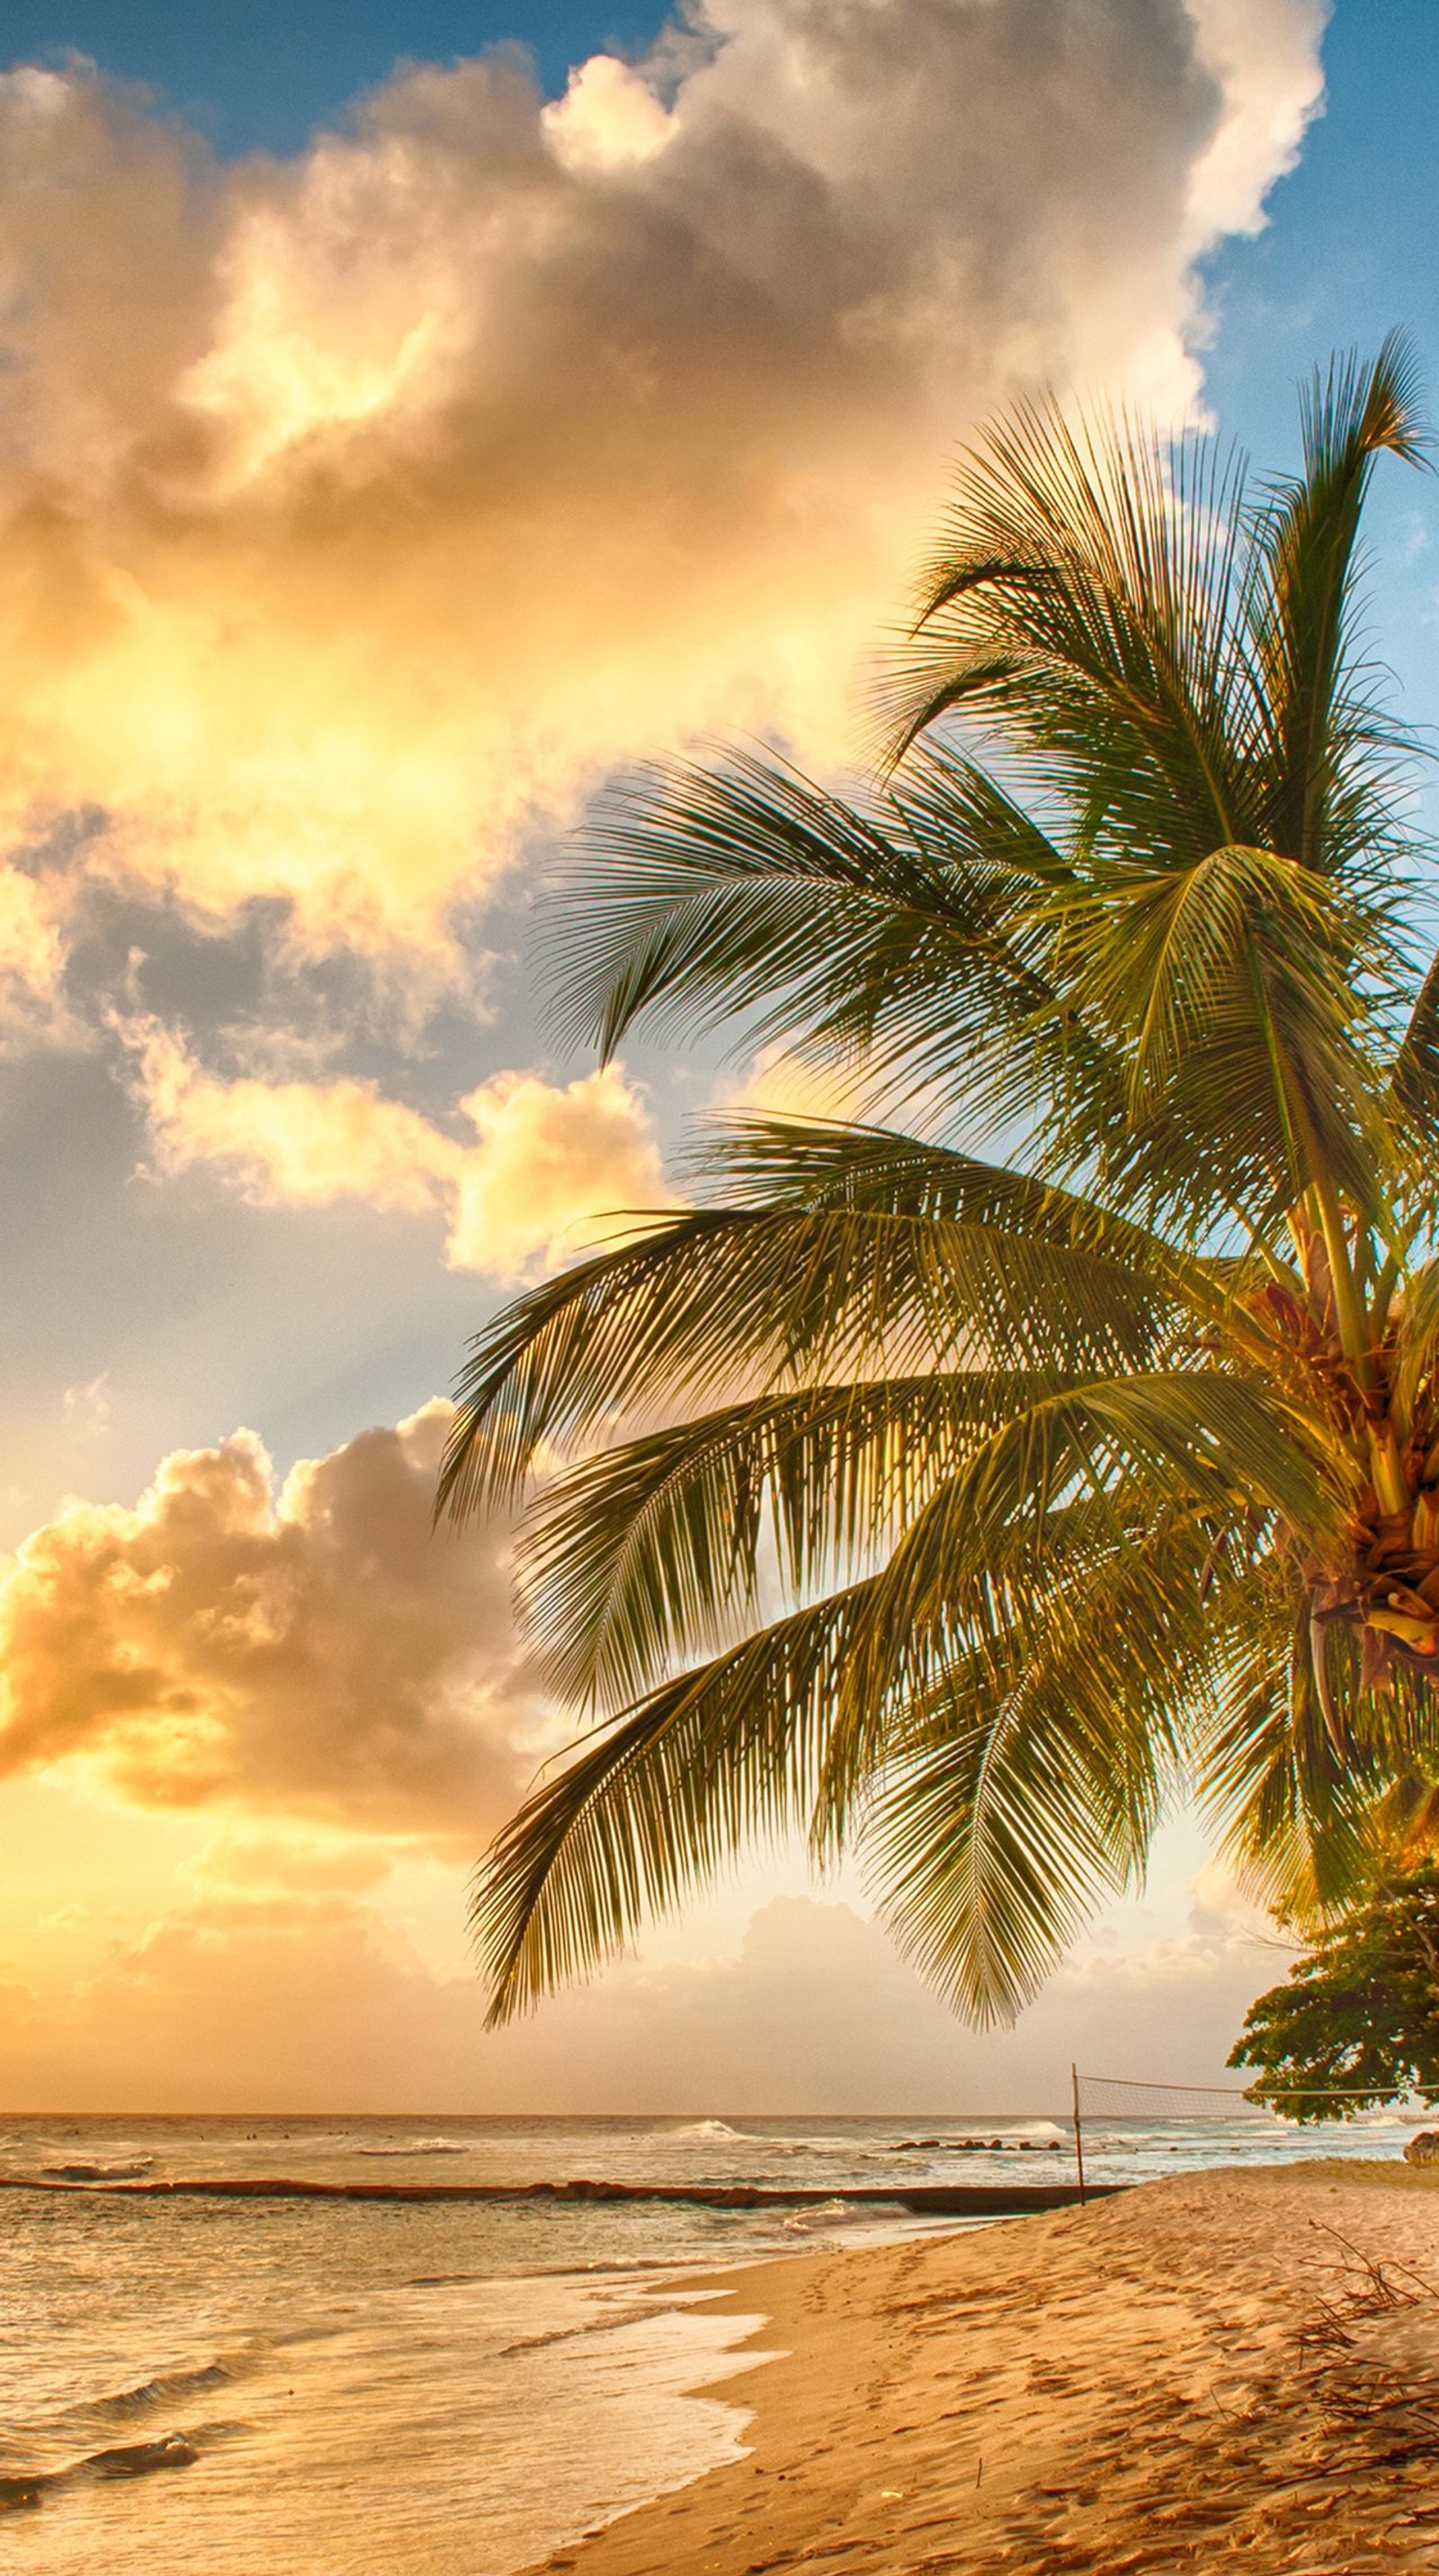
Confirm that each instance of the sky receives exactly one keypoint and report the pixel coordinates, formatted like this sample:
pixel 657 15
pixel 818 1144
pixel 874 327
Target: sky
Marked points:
pixel 409 416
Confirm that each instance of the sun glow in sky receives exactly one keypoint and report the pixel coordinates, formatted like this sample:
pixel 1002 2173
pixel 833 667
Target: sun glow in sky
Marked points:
pixel 411 414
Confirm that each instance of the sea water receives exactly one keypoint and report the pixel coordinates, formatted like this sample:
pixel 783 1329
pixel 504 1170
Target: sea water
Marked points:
pixel 257 2386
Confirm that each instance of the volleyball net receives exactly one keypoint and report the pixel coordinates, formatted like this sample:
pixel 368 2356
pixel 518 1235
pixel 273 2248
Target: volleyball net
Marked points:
pixel 1104 2101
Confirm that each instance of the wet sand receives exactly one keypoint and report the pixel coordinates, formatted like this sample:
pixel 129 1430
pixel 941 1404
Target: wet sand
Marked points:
pixel 1225 2368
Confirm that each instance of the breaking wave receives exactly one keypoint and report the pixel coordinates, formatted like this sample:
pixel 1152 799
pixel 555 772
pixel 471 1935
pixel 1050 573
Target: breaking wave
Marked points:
pixel 420 2147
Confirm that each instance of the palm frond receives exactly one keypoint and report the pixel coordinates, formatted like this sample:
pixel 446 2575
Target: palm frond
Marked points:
pixel 709 1764
pixel 1139 1447
pixel 888 930
pixel 1416 1359
pixel 1293 1805
pixel 1414 1085
pixel 817 1164
pixel 1230 985
pixel 1083 604
pixel 1001 1816
pixel 648 1553
pixel 711 1299
pixel 1322 804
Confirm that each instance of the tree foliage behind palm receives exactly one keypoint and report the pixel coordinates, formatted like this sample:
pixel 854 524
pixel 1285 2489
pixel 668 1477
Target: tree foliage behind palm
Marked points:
pixel 1359 2012
pixel 959 1507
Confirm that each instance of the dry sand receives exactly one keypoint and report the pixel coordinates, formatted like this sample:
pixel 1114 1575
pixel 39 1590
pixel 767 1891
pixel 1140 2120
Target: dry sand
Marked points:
pixel 1196 2375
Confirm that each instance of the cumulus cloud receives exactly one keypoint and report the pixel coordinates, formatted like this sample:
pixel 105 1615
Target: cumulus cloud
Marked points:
pixel 318 1655
pixel 360 509
pixel 548 1160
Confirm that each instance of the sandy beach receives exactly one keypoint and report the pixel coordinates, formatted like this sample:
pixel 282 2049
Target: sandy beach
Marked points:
pixel 1226 2366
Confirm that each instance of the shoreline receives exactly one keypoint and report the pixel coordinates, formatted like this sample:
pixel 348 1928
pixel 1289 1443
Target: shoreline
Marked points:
pixel 1223 2361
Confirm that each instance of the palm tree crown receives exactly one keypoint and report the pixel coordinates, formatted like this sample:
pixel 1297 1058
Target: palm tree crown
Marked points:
pixel 957 1505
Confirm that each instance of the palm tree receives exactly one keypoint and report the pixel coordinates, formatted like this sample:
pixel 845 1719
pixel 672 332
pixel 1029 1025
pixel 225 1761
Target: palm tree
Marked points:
pixel 962 1507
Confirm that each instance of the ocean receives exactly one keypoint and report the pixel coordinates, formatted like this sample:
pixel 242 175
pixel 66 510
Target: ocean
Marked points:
pixel 261 2386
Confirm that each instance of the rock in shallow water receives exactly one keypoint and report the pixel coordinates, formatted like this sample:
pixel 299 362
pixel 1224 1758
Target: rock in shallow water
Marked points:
pixel 1422 2148
pixel 17 2492
pixel 128 2460
pixel 136 2459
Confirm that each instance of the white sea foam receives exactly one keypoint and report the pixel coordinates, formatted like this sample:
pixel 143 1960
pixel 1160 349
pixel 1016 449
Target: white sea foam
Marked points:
pixel 832 2213
pixel 87 2169
pixel 418 2147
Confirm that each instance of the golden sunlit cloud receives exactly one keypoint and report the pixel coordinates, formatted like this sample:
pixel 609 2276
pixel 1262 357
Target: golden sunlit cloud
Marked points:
pixel 551 1166
pixel 360 510
pixel 319 1655
pixel 33 1009
pixel 548 1163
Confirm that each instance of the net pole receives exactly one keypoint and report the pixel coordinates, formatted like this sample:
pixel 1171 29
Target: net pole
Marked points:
pixel 1078 2130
